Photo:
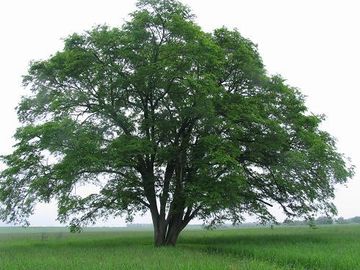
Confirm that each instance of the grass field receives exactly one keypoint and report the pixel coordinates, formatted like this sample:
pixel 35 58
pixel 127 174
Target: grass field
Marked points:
pixel 332 247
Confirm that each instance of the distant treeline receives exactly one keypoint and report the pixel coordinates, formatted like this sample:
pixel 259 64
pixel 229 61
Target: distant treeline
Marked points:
pixel 323 220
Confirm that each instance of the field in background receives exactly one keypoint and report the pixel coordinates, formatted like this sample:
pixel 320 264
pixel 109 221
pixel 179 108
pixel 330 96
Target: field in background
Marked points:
pixel 330 247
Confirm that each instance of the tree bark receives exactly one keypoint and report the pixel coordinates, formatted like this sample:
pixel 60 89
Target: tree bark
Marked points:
pixel 172 235
pixel 159 237
pixel 159 232
pixel 166 234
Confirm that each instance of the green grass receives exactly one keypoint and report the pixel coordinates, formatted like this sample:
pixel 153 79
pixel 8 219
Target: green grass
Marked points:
pixel 331 247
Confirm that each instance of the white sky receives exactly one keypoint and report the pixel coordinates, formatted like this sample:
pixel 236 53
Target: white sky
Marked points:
pixel 313 44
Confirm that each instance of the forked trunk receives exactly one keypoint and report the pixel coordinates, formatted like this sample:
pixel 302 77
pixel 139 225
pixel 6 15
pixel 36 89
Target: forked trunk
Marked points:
pixel 167 235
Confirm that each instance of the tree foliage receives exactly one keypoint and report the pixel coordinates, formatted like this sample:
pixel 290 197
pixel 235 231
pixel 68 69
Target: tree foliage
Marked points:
pixel 166 118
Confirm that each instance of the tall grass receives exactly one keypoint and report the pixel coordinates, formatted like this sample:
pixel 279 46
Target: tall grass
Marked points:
pixel 332 247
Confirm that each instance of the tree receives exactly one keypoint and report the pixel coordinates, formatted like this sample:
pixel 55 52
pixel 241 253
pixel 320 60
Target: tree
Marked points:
pixel 324 220
pixel 341 220
pixel 354 219
pixel 166 118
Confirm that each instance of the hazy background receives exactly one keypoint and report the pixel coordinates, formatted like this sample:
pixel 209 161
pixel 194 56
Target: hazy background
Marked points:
pixel 313 44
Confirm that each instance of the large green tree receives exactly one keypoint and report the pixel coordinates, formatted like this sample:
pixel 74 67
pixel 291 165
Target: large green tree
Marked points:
pixel 166 118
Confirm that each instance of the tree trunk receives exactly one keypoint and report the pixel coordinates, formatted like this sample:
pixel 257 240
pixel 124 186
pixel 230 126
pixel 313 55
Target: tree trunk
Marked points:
pixel 159 237
pixel 159 230
pixel 167 235
pixel 172 235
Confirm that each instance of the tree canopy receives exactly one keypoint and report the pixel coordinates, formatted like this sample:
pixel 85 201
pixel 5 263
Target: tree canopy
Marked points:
pixel 164 117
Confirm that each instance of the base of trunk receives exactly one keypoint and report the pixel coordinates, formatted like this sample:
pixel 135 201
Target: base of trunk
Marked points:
pixel 166 239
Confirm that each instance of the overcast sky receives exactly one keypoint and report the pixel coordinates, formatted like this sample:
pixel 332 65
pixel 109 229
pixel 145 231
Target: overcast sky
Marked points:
pixel 315 45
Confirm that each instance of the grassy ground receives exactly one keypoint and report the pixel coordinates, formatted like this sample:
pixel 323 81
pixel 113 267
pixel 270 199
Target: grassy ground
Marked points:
pixel 332 247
